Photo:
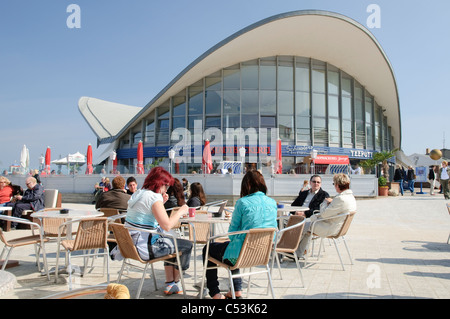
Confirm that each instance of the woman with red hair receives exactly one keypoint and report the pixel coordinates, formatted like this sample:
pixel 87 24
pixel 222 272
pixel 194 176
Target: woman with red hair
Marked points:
pixel 146 210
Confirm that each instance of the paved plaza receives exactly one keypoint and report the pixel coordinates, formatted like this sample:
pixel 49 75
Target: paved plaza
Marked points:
pixel 398 245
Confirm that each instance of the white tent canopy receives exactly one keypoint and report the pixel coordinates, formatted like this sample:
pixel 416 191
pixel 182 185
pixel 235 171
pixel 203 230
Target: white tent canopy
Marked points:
pixel 423 160
pixel 71 159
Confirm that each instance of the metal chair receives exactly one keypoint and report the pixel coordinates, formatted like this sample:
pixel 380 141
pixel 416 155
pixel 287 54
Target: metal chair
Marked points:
pixel 36 240
pixel 255 251
pixel 91 235
pixel 129 252
pixel 348 217
pixel 198 234
pixel 288 240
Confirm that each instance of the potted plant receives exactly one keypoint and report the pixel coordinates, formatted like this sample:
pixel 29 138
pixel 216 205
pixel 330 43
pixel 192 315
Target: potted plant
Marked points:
pixel 383 189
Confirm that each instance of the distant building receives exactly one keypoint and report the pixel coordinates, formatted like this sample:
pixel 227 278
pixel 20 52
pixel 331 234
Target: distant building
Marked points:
pixel 320 78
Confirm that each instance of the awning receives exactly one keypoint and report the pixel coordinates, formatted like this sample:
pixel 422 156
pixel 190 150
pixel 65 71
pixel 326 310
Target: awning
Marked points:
pixel 332 159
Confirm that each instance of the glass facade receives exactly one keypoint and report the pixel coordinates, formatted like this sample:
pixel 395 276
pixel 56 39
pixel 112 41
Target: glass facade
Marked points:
pixel 311 102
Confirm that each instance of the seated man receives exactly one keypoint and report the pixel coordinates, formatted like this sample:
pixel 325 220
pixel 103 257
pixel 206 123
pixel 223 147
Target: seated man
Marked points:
pixel 32 199
pixel 311 198
pixel 116 198
pixel 132 185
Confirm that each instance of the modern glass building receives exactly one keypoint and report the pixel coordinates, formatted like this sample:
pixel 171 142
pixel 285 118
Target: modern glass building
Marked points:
pixel 318 77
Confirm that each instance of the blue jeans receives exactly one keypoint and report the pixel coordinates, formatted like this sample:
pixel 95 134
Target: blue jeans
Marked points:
pixel 411 185
pixel 400 181
pixel 216 251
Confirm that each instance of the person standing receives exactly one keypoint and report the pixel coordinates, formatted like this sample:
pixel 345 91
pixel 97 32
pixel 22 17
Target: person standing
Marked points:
pixel 444 174
pixel 399 176
pixel 431 178
pixel 411 178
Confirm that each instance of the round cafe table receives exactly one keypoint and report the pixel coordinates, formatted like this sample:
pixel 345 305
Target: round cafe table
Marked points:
pixel 72 214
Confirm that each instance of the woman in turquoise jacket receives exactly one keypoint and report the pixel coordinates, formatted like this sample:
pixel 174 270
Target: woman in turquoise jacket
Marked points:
pixel 253 210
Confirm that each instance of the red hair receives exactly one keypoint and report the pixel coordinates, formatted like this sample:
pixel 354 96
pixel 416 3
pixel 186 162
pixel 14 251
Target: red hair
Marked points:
pixel 157 177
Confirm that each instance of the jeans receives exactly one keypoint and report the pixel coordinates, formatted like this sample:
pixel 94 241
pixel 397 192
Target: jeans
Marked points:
pixel 216 251
pixel 411 185
pixel 400 181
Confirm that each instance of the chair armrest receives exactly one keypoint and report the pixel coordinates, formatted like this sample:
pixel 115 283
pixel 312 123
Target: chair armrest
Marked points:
pixel 325 219
pixel 115 217
pixel 19 220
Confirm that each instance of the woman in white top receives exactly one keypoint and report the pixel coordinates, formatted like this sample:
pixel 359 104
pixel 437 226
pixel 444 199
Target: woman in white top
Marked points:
pixel 343 202
pixel 146 210
pixel 444 173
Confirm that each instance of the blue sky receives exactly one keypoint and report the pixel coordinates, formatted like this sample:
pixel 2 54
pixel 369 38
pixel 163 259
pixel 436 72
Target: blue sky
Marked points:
pixel 128 51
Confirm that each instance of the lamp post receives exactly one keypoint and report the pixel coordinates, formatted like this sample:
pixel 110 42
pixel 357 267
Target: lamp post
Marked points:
pixel 313 157
pixel 171 156
pixel 242 154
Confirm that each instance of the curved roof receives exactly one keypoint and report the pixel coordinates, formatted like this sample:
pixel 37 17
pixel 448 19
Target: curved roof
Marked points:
pixel 105 118
pixel 322 35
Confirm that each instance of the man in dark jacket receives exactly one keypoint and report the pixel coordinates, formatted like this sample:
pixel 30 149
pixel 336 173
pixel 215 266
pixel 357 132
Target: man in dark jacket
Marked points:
pixel 311 198
pixel 115 198
pixel 32 199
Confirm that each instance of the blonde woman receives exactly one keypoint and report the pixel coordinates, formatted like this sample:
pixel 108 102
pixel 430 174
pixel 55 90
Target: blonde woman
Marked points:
pixel 6 191
pixel 343 202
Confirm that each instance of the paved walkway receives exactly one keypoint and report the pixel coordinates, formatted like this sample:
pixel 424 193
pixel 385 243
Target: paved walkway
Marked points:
pixel 398 244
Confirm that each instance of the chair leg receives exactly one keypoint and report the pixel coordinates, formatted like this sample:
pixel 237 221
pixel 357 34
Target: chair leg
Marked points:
pixel 142 281
pixel 202 285
pixel 348 251
pixel 448 240
pixel 154 277
pixel 69 269
pixel 270 282
pixel 339 254
pixel 5 262
pixel 299 269
pixel 121 271
pixel 249 283
pixel 230 277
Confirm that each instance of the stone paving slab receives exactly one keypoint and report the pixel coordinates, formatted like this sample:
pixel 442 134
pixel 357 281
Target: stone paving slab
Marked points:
pixel 398 245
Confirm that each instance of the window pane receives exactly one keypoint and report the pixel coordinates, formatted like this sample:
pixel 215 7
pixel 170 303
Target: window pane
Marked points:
pixel 334 130
pixel 178 122
pixel 213 102
pixel 250 103
pixel 346 86
pixel 231 101
pixel 212 122
pixel 333 82
pixel 231 120
pixel 302 77
pixel 286 103
pixel 286 77
pixel 268 100
pixel 318 81
pixel 195 101
pixel 268 121
pixel 214 81
pixel 179 106
pixel 318 106
pixel 250 121
pixel 249 77
pixel 333 106
pixel 267 77
pixel 302 104
pixel 346 108
pixel 232 78
pixel 286 125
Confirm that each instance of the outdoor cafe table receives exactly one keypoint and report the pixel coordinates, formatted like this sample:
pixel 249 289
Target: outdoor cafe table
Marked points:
pixel 72 214
pixel 284 210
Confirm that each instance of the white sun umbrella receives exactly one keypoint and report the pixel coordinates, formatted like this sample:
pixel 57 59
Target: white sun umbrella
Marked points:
pixel 23 159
